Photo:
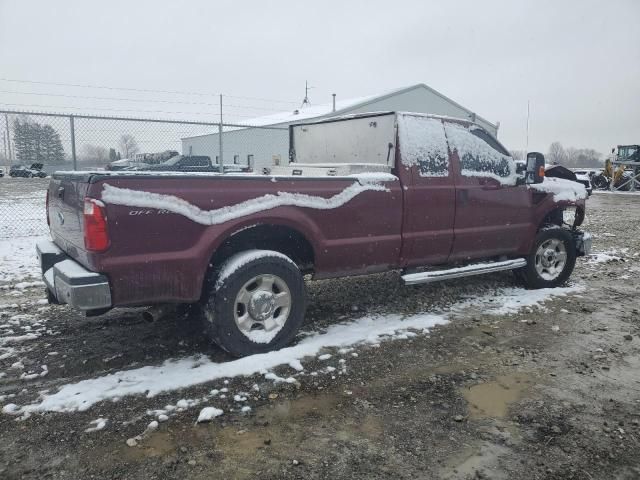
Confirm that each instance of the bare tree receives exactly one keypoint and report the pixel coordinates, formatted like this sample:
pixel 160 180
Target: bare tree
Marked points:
pixel 128 145
pixel 556 155
pixel 517 154
pixel 588 157
pixel 94 154
pixel 571 157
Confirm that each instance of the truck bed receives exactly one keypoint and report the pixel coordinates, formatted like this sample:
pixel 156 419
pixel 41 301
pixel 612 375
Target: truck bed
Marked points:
pixel 165 226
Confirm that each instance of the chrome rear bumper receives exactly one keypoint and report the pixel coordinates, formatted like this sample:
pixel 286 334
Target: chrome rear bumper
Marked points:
pixel 69 282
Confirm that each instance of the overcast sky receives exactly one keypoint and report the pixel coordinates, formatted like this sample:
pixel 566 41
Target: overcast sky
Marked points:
pixel 578 62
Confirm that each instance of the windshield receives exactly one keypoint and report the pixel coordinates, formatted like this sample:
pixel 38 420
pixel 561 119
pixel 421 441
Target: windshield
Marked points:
pixel 626 152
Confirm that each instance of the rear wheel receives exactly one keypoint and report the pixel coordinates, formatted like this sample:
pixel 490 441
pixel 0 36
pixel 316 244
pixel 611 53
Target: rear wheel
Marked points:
pixel 256 304
pixel 551 260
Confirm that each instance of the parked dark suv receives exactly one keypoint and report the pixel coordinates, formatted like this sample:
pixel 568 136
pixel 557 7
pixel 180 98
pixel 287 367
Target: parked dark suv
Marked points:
pixel 35 170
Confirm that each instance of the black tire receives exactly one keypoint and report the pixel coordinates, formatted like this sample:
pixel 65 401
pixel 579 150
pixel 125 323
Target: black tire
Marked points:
pixel 600 182
pixel 530 276
pixel 219 305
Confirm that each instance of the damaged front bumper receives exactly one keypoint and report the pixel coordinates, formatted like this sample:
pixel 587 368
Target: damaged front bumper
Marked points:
pixel 69 282
pixel 583 242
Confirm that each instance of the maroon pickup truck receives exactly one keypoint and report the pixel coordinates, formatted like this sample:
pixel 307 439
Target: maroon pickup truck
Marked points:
pixel 437 198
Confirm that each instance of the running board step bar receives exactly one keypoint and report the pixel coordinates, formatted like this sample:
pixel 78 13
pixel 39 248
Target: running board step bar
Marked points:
pixel 459 272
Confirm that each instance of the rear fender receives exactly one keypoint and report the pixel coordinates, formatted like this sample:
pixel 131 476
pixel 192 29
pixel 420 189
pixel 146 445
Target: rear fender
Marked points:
pixel 224 241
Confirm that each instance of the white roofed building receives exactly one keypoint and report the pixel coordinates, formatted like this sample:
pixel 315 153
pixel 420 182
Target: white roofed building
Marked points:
pixel 264 147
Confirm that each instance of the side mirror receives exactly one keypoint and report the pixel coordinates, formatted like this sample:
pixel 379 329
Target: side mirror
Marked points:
pixel 535 168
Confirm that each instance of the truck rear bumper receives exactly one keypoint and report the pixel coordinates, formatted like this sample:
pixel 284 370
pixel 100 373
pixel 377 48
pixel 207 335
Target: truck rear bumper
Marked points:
pixel 69 282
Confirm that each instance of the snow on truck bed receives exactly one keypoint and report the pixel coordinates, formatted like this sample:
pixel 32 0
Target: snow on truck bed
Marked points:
pixel 141 199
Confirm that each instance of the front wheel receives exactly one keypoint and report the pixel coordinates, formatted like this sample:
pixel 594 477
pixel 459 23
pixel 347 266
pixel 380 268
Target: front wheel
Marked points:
pixel 600 182
pixel 256 304
pixel 551 260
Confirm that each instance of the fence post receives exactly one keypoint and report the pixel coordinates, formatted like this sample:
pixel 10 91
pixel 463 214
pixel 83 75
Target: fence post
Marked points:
pixel 221 165
pixel 6 119
pixel 73 142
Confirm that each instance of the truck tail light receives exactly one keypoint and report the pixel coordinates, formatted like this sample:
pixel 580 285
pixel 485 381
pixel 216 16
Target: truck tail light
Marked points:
pixel 96 234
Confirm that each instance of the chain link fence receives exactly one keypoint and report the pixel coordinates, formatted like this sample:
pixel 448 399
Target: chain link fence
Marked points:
pixel 34 145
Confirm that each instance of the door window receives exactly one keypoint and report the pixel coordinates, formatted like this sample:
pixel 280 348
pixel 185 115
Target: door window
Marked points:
pixel 480 154
pixel 423 143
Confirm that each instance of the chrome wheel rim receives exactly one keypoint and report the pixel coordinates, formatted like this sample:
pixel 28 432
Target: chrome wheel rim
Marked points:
pixel 262 307
pixel 551 258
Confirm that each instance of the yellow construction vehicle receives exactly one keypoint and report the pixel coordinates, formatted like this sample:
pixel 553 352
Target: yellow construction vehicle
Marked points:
pixel 622 168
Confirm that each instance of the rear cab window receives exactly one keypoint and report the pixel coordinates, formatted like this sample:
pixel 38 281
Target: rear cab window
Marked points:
pixel 423 144
pixel 480 154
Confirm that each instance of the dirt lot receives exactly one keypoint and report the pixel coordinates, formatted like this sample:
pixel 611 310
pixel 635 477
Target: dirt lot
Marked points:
pixel 547 392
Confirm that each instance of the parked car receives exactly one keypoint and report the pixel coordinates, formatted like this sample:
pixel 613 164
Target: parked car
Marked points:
pixel 123 164
pixel 190 163
pixel 590 172
pixel 141 160
pixel 571 174
pixel 183 163
pixel 35 170
pixel 436 198
pixel 1 172
pixel 585 180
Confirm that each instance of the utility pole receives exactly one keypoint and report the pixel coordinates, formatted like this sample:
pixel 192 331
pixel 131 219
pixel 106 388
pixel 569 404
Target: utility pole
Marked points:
pixel 221 165
pixel 526 148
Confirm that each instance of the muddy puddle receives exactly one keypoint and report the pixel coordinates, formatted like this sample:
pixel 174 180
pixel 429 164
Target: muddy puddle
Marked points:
pixel 492 399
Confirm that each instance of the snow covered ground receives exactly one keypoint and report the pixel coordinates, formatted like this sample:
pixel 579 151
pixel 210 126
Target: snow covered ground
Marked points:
pixel 340 338
pixel 18 258
pixel 22 223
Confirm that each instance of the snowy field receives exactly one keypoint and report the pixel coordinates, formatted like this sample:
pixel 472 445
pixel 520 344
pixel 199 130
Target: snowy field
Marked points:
pixel 22 223
pixel 373 356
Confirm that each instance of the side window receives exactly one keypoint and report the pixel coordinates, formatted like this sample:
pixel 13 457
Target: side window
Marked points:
pixel 480 154
pixel 423 143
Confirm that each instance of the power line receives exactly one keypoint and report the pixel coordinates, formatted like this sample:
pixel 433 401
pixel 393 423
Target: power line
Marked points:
pixel 104 87
pixel 246 107
pixel 263 99
pixel 147 90
pixel 120 109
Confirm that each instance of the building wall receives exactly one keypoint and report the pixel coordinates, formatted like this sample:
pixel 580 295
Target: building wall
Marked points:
pixel 264 144
pixel 422 100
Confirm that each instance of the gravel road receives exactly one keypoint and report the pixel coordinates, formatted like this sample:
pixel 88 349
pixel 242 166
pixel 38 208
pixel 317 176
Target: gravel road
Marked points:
pixel 550 392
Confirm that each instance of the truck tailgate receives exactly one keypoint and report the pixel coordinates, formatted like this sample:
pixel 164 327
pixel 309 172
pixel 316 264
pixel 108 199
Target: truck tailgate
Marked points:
pixel 66 202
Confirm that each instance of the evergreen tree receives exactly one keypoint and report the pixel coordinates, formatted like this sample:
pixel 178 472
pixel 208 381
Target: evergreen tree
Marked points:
pixel 35 143
pixel 112 154
pixel 51 146
pixel 21 141
pixel 35 132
